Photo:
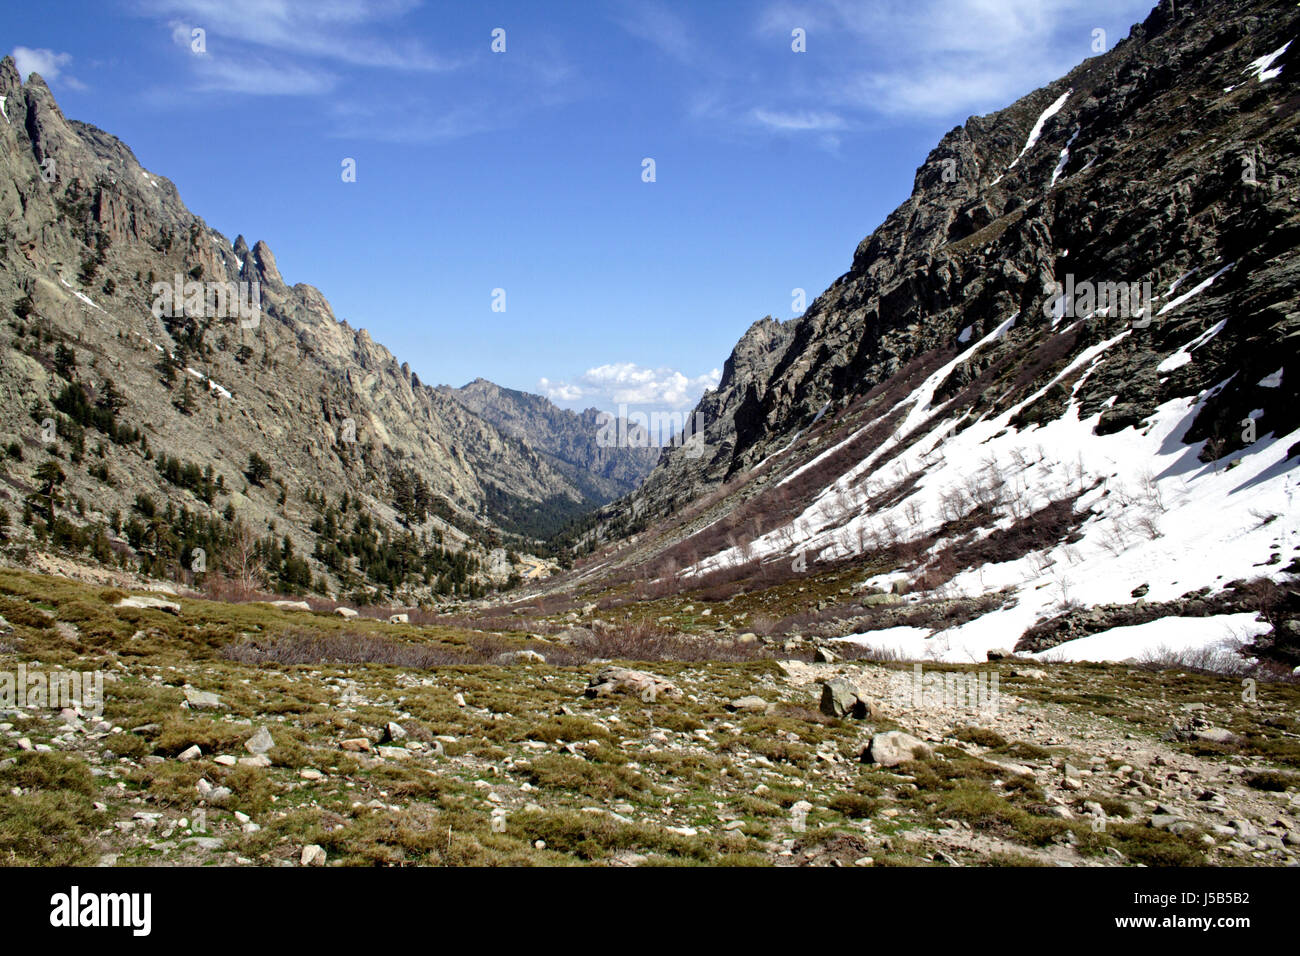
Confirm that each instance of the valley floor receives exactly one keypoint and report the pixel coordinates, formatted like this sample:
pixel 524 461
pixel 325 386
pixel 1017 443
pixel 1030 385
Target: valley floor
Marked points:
pixel 436 745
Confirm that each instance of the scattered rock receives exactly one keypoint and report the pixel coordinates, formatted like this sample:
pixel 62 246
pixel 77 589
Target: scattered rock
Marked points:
pixel 190 753
pixel 356 745
pixel 345 612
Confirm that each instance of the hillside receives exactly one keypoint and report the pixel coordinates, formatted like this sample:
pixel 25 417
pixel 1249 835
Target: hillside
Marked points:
pixel 127 378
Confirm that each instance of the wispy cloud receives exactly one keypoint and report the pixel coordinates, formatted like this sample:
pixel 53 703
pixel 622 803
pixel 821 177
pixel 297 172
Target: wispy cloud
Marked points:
pixel 937 58
pixel 659 26
pixel 798 121
pixel 627 383
pixel 47 63
pixel 334 30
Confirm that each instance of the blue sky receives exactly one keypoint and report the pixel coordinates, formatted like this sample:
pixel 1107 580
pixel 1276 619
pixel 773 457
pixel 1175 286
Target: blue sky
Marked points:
pixel 523 170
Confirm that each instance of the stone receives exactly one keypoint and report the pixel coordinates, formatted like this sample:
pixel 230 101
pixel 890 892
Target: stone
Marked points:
pixel 516 657
pixel 260 743
pixel 577 637
pixel 622 680
pixel 1030 673
pixel 1214 735
pixel 260 760
pixel 150 604
pixel 394 731
pixel 825 656
pixel 842 698
pixel 202 699
pixel 190 753
pixel 345 612
pixel 399 619
pixel 292 605
pixel 312 855
pixel 356 745
pixel 750 705
pixel 893 747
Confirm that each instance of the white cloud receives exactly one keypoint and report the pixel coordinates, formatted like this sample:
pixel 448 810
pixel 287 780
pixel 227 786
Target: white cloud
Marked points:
pixel 799 121
pixel 559 391
pixel 47 63
pixel 660 27
pixel 626 383
pixel 935 58
pixel 323 29
pixel 260 78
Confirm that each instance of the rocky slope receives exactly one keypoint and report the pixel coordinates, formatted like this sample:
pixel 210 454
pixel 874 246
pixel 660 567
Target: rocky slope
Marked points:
pixel 87 232
pixel 1169 155
pixel 975 407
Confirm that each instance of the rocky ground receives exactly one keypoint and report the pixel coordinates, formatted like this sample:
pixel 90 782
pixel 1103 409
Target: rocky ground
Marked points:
pixel 257 735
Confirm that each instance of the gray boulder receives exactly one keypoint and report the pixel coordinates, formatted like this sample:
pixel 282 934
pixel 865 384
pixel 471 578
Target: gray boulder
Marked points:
pixel 893 747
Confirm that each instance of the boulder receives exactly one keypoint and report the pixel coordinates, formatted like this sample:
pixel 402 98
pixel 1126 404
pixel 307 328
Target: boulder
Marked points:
pixel 292 605
pixel 841 698
pixel 150 604
pixel 893 747
pixel 260 743
pixel 345 612
pixel 1214 735
pixel 400 619
pixel 202 699
pixel 312 855
pixel 576 637
pixel 622 680
pixel 750 705
pixel 516 657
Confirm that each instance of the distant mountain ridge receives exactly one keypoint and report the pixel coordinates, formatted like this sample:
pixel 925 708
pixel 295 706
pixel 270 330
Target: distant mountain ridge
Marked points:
pixel 568 439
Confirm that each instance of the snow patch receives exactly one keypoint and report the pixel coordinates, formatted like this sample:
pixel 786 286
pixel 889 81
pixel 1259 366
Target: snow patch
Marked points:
pixel 1263 67
pixel 1037 131
pixel 1225 633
